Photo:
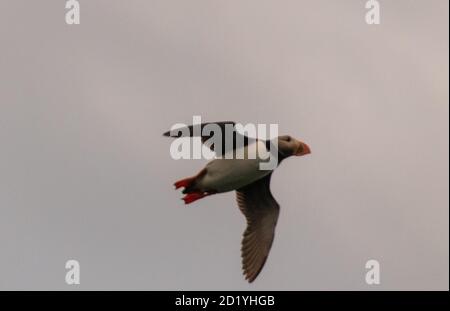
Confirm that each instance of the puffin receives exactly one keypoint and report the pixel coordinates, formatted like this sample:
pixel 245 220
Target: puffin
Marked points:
pixel 226 172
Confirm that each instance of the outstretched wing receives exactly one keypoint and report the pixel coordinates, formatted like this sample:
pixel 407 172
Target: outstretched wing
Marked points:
pixel 261 211
pixel 206 132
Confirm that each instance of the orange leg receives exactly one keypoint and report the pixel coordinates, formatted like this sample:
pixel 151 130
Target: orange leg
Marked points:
pixel 194 196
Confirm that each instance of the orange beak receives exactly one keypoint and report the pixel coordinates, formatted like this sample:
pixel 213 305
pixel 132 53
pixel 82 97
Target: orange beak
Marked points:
pixel 303 150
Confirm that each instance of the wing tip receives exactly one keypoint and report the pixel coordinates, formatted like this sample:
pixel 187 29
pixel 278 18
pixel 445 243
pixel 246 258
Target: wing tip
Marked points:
pixel 249 277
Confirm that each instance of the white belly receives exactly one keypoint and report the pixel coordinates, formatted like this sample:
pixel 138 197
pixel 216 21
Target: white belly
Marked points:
pixel 224 175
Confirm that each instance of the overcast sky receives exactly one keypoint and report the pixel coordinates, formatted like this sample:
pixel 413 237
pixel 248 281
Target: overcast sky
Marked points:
pixel 85 173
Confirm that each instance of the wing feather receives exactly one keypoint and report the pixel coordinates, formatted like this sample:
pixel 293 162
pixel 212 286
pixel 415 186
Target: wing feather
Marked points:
pixel 261 211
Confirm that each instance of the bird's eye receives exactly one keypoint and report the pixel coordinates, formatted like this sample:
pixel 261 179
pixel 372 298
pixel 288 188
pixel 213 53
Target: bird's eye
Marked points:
pixel 288 139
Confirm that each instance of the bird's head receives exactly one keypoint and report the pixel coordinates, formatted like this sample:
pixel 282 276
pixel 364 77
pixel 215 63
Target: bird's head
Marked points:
pixel 290 146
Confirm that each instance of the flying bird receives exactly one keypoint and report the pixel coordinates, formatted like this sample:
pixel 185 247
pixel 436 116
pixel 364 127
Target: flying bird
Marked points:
pixel 243 175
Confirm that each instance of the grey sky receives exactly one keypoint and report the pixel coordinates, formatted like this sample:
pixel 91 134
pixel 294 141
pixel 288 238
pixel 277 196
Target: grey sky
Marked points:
pixel 85 173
